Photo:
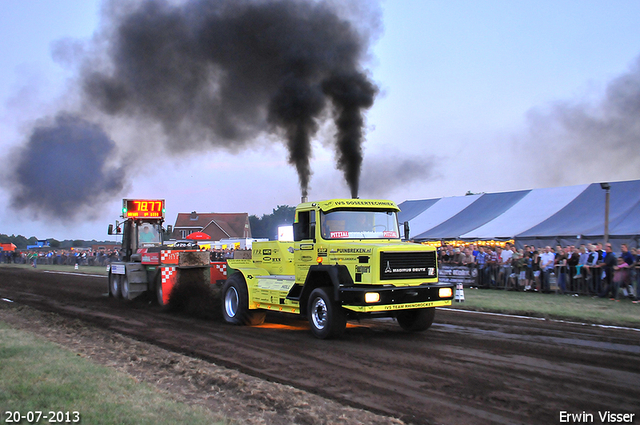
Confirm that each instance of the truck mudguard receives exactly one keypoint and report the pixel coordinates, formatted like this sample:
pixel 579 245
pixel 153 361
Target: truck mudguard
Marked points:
pixel 321 275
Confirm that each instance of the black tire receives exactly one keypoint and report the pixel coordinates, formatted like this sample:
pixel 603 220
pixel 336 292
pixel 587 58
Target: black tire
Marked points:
pixel 159 293
pixel 326 318
pixel 235 303
pixel 114 285
pixel 416 320
pixel 124 287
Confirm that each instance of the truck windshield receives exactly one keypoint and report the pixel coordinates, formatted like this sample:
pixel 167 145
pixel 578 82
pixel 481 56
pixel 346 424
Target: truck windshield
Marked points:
pixel 359 224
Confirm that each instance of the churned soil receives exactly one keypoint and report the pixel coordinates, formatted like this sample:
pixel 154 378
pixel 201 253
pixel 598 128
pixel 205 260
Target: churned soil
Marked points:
pixel 467 368
pixel 236 396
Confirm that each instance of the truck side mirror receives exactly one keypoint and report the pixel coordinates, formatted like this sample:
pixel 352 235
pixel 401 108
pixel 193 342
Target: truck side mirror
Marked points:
pixel 110 230
pixel 169 229
pixel 406 230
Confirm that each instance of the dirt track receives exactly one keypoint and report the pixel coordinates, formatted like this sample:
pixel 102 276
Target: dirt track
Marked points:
pixel 468 368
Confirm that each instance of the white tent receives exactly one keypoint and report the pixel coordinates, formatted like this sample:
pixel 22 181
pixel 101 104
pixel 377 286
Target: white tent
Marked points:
pixel 535 207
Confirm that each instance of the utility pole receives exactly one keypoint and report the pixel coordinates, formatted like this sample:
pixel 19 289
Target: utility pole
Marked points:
pixel 607 188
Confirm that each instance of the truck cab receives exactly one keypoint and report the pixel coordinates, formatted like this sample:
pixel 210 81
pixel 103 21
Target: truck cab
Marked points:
pixel 346 261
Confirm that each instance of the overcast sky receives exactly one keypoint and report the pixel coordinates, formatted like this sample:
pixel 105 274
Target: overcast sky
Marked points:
pixel 483 96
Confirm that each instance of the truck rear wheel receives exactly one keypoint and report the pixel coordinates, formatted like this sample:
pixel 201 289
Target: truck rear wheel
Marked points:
pixel 416 320
pixel 235 303
pixel 114 285
pixel 327 318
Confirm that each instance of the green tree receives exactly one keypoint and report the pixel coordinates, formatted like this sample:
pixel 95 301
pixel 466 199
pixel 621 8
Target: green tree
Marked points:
pixel 54 243
pixel 267 225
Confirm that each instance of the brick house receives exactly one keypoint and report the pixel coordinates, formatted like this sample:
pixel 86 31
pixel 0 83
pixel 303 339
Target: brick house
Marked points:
pixel 217 225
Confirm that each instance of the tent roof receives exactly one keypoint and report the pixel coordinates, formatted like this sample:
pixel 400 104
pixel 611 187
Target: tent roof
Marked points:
pixel 585 214
pixel 439 212
pixel 484 209
pixel 410 209
pixel 535 207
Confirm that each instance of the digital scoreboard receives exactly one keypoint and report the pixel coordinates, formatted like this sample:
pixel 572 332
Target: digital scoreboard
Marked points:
pixel 143 208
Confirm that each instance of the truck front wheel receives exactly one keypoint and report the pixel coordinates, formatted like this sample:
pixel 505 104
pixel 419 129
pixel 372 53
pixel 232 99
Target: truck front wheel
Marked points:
pixel 327 318
pixel 235 303
pixel 416 320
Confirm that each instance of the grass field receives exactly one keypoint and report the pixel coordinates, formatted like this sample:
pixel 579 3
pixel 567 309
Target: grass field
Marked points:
pixel 68 269
pixel 565 307
pixel 37 375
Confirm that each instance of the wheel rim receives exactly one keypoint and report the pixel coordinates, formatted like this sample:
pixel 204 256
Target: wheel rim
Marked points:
pixel 114 284
pixel 125 287
pixel 231 302
pixel 319 313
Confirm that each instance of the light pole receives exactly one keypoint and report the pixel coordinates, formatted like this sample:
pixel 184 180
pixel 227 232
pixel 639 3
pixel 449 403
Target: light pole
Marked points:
pixel 607 188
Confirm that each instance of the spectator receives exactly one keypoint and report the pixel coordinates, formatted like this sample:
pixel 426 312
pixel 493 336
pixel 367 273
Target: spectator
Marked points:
pixel 536 270
pixel 607 266
pixel 573 258
pixel 626 255
pixel 493 260
pixel 481 263
pixel 591 267
pixel 621 279
pixel 547 260
pixel 456 260
pixel 467 258
pixel 517 265
pixel 561 269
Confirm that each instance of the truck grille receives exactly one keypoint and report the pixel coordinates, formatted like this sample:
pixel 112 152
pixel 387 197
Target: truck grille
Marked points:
pixel 407 265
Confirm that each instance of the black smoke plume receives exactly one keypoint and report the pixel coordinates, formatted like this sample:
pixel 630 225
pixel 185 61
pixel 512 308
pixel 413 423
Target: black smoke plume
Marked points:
pixel 222 72
pixel 577 141
pixel 62 170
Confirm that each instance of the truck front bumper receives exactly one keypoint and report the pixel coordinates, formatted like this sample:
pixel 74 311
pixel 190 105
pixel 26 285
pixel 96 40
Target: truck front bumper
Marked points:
pixel 394 298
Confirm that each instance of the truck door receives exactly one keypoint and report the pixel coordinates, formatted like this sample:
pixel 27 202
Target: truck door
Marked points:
pixel 305 250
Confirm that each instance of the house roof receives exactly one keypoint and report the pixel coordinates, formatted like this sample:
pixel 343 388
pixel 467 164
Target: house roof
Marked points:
pixel 217 225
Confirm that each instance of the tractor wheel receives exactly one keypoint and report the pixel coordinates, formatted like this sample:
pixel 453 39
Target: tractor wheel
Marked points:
pixel 327 318
pixel 416 320
pixel 235 303
pixel 114 285
pixel 159 293
pixel 124 287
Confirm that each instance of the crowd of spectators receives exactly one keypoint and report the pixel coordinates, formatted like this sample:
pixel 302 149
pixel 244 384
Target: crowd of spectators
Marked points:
pixel 592 269
pixel 59 257
pixel 88 257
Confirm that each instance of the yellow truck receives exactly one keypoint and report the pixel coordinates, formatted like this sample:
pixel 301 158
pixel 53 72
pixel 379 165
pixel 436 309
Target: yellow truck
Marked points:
pixel 347 261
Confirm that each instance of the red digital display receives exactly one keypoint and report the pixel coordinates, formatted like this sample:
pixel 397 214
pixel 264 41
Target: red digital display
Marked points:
pixel 143 208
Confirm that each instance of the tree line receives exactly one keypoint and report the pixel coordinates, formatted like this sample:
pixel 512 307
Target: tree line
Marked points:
pixel 21 242
pixel 267 225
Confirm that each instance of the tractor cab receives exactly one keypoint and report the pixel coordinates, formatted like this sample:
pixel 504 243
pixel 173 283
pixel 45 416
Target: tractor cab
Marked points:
pixel 142 227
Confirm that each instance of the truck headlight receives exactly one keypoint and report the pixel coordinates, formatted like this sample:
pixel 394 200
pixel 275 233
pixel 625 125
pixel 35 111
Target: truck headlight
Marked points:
pixel 371 297
pixel 445 293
